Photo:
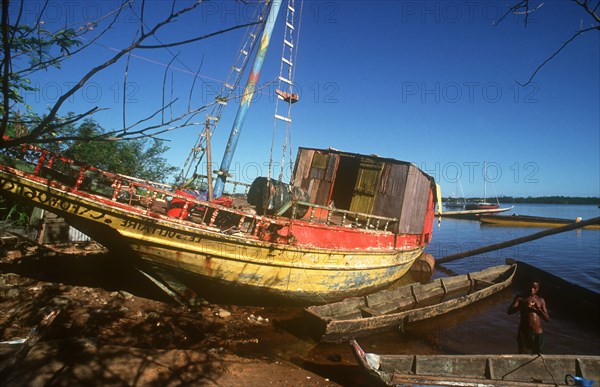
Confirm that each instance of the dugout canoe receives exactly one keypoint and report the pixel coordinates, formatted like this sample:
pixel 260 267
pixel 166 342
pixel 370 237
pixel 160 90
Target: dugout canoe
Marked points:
pixel 529 221
pixel 387 309
pixel 478 370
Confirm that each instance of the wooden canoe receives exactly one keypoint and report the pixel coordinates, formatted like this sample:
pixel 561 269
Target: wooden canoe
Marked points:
pixel 390 308
pixel 528 221
pixel 478 370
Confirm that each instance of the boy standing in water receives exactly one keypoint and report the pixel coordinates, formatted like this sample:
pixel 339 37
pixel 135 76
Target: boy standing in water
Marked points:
pixel 530 337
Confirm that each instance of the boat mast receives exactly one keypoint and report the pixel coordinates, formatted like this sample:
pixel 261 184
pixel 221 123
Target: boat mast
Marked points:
pixel 484 181
pixel 246 99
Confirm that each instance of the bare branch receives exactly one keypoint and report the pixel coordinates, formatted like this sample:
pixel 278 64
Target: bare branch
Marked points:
pixel 142 16
pixel 578 33
pixel 163 86
pixel 46 128
pixel 198 38
pixel 194 83
pixel 588 9
pixel 55 60
pixel 54 110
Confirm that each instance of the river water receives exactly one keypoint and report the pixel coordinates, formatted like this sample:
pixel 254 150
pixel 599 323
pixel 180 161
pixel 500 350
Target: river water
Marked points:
pixel 485 327
pixel 572 255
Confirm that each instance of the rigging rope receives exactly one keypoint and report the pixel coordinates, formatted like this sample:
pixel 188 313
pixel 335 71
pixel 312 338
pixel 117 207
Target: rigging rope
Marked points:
pixel 231 83
pixel 285 91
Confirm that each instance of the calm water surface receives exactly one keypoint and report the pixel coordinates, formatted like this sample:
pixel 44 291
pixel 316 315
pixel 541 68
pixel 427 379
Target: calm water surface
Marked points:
pixel 573 255
pixel 485 327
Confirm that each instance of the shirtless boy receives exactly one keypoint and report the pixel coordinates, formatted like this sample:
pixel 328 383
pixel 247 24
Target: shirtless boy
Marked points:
pixel 530 337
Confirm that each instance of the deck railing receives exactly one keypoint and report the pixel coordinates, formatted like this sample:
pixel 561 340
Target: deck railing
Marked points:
pixel 77 177
pixel 336 216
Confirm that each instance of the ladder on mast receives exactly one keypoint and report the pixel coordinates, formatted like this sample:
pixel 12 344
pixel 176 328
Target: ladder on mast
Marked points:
pixel 285 88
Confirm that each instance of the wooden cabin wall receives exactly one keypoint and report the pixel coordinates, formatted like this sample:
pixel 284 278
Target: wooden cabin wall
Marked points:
pixel 302 168
pixel 315 173
pixel 414 206
pixel 390 196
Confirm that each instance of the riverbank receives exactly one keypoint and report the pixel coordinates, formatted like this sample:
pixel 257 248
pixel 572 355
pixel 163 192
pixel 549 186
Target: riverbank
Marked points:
pixel 115 328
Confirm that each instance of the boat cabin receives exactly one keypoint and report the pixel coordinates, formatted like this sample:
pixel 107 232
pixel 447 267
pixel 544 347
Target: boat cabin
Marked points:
pixel 370 185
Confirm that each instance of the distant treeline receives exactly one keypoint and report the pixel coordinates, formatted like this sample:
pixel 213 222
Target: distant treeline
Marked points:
pixel 541 200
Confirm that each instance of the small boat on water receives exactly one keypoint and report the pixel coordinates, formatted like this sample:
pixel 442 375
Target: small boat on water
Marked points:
pixel 528 221
pixel 479 370
pixel 481 206
pixel 472 214
pixel 390 308
pixel 455 203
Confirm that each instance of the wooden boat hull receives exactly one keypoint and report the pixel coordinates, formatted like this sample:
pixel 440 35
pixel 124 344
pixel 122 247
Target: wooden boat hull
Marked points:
pixel 472 214
pixel 528 221
pixel 469 207
pixel 362 316
pixel 476 370
pixel 299 273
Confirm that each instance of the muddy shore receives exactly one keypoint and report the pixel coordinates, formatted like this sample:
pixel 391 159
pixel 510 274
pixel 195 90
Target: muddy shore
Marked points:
pixel 114 327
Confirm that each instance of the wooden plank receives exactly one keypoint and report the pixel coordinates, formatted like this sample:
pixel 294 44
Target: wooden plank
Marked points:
pixel 365 188
pixel 483 283
pixel 390 195
pixel 369 311
pixel 414 206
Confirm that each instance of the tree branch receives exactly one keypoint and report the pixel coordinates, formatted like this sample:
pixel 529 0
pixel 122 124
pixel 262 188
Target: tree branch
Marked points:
pixel 578 33
pixel 197 38
pixel 43 48
pixel 586 7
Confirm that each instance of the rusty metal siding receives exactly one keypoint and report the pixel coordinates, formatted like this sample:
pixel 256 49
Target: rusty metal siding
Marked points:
pixel 367 182
pixel 414 207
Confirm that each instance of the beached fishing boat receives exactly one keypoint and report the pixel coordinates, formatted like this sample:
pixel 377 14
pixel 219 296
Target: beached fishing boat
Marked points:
pixel 388 309
pixel 528 221
pixel 479 370
pixel 346 224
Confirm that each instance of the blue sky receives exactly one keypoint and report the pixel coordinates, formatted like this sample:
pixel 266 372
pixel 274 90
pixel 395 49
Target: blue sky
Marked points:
pixel 429 82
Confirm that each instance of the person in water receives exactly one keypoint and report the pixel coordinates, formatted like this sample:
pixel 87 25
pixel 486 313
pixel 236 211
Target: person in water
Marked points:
pixel 530 337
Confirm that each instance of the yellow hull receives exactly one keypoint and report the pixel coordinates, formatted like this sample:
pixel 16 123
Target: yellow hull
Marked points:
pixel 510 222
pixel 306 274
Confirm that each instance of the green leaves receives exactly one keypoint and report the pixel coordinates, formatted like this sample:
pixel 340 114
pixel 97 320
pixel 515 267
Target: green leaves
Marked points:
pixel 139 158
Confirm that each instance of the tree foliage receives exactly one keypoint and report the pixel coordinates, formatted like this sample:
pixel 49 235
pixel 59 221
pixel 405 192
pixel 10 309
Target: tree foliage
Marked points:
pixel 142 158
